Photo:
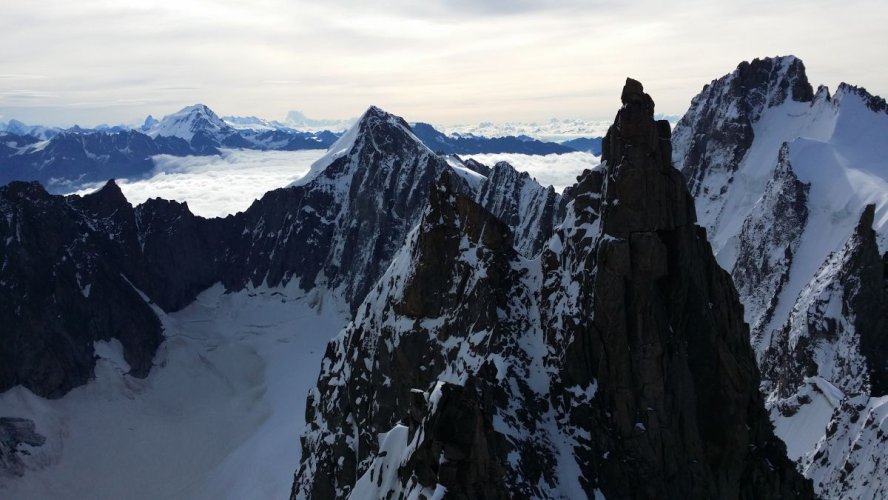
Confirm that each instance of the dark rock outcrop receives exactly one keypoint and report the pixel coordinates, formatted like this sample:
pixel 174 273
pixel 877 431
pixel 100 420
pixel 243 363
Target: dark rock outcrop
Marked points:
pixel 678 406
pixel 65 285
pixel 15 432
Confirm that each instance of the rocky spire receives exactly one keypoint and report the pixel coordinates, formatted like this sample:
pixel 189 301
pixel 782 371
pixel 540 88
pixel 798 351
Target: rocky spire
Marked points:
pixel 677 412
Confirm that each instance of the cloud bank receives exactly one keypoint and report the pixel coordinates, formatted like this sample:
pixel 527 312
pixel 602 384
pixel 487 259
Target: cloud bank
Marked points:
pixel 216 186
pixel 558 171
pixel 443 62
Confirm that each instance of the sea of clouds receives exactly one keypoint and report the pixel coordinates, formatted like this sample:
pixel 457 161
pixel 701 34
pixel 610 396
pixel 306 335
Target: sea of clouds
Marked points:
pixel 558 171
pixel 216 186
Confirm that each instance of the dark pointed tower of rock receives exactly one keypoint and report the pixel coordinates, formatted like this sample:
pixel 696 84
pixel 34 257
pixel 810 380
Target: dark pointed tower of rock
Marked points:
pixel 682 416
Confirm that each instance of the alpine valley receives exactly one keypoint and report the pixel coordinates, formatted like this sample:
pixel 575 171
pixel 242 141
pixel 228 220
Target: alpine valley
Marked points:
pixel 702 315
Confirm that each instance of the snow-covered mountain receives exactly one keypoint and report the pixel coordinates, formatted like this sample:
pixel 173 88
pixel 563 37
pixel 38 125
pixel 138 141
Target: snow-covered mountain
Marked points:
pixel 16 127
pixel 252 123
pixel 298 121
pixel 295 120
pixel 63 160
pixel 191 120
pixel 206 131
pixel 790 184
pixel 616 364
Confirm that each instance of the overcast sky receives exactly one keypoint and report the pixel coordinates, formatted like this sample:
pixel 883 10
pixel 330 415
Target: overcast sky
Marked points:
pixel 447 62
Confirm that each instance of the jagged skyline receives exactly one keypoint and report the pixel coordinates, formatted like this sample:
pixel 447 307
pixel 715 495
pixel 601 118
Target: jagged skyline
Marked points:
pixel 445 62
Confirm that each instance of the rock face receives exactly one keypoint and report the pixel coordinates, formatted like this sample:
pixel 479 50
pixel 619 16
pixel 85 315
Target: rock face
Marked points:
pixel 64 286
pixel 837 330
pixel 531 210
pixel 728 108
pixel 767 244
pixel 618 363
pixel 662 310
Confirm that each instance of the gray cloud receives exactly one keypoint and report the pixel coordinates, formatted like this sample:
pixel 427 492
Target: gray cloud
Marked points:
pixel 442 61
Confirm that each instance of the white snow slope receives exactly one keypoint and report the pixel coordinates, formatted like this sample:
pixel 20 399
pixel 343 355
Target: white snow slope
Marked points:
pixel 218 417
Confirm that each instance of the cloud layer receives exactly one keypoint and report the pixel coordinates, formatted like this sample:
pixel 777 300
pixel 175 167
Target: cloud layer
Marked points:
pixel 558 171
pixel 215 186
pixel 440 61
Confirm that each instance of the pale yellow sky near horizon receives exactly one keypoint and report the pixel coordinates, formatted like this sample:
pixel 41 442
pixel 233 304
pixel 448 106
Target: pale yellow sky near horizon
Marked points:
pixel 445 62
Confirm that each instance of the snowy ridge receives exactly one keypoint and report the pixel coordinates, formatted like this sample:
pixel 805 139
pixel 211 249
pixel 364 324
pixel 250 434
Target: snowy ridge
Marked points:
pixel 767 243
pixel 501 353
pixel 207 132
pixel 519 201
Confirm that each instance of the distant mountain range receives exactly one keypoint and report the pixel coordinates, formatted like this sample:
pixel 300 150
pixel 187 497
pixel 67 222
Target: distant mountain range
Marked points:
pixel 62 159
pixel 472 144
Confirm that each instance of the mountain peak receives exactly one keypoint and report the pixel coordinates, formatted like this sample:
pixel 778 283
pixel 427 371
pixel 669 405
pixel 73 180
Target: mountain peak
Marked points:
pixel 645 193
pixel 777 78
pixel 197 108
pixel 375 132
pixel 189 121
pixel 734 103
pixel 106 200
pixel 376 114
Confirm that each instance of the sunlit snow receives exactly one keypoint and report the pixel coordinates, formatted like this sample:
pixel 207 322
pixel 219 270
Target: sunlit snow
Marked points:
pixel 218 417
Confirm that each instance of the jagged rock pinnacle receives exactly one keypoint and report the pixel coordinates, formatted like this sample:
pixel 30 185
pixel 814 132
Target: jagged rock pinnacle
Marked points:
pixel 674 345
pixel 645 193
